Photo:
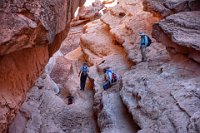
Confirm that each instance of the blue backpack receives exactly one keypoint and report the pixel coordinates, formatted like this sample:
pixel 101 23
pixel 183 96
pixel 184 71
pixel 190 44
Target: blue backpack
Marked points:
pixel 149 41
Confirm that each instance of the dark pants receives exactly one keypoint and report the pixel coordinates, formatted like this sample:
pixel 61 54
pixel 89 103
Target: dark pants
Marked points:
pixel 83 81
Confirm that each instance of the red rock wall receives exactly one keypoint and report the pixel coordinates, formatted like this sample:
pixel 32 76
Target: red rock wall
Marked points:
pixel 179 28
pixel 31 31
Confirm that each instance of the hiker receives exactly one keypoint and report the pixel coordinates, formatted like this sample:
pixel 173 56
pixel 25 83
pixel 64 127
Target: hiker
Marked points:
pixel 110 78
pixel 108 74
pixel 84 73
pixel 145 41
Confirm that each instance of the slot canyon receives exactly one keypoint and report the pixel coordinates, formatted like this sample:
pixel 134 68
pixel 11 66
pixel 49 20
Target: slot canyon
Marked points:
pixel 43 44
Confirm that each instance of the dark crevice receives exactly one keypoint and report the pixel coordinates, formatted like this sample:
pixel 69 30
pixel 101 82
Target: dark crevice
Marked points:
pixel 130 119
pixel 94 114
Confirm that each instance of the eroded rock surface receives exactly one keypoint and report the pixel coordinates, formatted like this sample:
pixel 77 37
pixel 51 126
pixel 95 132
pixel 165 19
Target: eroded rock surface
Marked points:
pixel 155 92
pixel 180 33
pixel 163 8
pixel 162 97
pixel 31 31
pixel 46 112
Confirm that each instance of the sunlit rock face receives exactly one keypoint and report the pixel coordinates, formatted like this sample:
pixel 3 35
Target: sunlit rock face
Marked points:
pixel 30 33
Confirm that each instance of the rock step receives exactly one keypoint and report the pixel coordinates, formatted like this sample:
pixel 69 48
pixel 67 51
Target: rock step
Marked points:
pixel 112 114
pixel 163 97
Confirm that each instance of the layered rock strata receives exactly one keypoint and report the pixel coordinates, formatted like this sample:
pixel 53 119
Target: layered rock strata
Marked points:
pixel 30 33
pixel 163 96
pixel 45 110
pixel 180 33
pixel 163 8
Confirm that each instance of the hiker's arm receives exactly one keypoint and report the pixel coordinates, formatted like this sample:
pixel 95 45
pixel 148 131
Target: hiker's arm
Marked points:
pixel 88 71
pixel 79 73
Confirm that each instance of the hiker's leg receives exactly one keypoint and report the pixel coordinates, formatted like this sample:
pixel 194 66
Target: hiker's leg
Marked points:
pixel 145 57
pixel 83 81
pixel 141 49
pixel 143 53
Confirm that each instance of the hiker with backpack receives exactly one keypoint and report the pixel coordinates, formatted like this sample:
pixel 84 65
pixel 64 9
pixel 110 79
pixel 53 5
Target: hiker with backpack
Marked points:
pixel 108 78
pixel 84 73
pixel 108 73
pixel 145 41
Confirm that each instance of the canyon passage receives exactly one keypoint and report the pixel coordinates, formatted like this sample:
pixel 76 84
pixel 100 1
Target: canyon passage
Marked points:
pixel 44 43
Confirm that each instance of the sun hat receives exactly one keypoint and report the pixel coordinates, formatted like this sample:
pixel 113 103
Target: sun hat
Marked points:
pixel 141 34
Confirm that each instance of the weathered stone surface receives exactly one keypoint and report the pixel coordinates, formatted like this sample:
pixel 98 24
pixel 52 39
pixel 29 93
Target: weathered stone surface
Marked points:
pixel 45 112
pixel 150 90
pixel 17 73
pixel 125 21
pixel 61 70
pixel 95 49
pixel 73 40
pixel 180 33
pixel 31 31
pixel 90 12
pixel 113 116
pixel 163 8
pixel 163 97
pixel 162 94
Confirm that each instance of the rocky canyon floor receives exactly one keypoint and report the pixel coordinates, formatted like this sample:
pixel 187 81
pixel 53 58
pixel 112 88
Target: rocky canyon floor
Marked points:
pixel 161 95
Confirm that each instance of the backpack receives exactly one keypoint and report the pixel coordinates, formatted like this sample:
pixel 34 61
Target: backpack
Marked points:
pixel 149 41
pixel 84 70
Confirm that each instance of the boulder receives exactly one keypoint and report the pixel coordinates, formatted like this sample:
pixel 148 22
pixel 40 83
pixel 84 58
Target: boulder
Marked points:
pixel 163 8
pixel 96 41
pixel 91 12
pixel 180 33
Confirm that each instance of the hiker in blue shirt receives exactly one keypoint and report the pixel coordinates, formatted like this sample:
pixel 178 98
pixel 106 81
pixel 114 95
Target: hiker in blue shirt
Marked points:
pixel 145 41
pixel 109 72
pixel 84 73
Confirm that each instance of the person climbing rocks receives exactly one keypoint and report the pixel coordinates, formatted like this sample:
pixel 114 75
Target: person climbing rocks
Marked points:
pixel 108 78
pixel 145 41
pixel 84 73
pixel 108 74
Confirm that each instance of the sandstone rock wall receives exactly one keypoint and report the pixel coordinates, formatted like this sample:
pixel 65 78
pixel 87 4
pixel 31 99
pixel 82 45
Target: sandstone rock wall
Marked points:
pixel 163 96
pixel 179 29
pixel 180 33
pixel 163 8
pixel 31 31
